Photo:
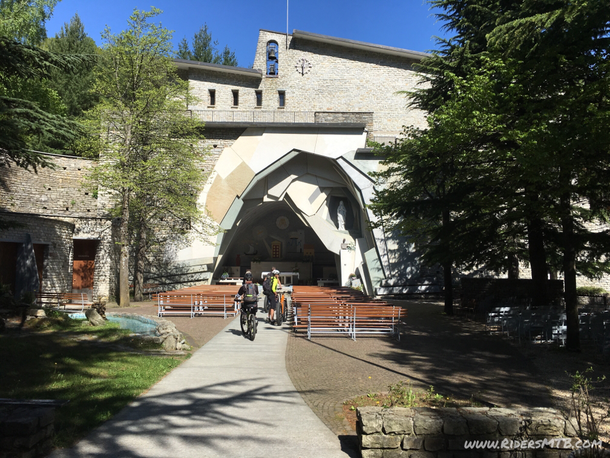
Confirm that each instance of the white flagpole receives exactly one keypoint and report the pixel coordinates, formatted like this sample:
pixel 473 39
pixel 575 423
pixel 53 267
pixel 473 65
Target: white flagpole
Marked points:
pixel 287 3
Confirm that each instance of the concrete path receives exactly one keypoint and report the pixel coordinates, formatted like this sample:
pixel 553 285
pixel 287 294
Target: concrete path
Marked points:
pixel 232 398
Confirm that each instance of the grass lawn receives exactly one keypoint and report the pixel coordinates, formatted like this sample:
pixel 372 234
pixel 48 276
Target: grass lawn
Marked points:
pixel 98 369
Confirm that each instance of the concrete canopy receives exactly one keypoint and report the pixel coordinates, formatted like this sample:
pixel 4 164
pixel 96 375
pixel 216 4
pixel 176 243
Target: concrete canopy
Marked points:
pixel 301 173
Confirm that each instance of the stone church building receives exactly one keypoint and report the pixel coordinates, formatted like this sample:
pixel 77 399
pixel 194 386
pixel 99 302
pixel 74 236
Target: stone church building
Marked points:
pixel 290 182
pixel 288 179
pixel 288 164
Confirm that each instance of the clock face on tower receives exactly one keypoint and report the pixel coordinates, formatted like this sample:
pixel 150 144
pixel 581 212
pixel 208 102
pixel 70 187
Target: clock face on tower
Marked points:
pixel 303 66
pixel 282 222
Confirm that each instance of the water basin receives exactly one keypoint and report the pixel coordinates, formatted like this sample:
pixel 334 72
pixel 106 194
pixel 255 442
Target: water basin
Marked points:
pixel 134 323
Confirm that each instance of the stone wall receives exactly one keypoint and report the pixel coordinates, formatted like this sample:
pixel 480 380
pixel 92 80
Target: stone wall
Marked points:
pixel 26 431
pixel 57 192
pixel 56 235
pixel 438 433
pixel 340 79
pixel 216 140
pixel 54 206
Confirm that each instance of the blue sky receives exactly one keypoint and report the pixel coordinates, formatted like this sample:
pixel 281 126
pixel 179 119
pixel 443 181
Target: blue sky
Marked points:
pixel 405 24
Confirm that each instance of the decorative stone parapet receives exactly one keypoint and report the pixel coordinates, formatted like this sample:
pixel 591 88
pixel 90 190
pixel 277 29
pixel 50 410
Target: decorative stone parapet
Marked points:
pixel 422 432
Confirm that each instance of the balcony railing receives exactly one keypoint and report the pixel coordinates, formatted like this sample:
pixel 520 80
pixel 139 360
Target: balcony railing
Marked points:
pixel 255 116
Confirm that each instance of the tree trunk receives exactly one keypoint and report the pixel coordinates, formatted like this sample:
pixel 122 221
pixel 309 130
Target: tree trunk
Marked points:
pixel 447 280
pixel 569 272
pixel 448 287
pixel 537 253
pixel 124 257
pixel 140 255
pixel 538 264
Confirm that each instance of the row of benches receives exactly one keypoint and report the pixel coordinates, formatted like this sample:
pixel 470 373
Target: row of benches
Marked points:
pixel 343 311
pixel 349 319
pixel 78 301
pixel 315 310
pixel 196 303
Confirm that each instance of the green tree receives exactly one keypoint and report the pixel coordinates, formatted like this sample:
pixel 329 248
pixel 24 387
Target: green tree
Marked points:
pixel 518 101
pixel 204 49
pixel 151 159
pixel 24 20
pixel 30 111
pixel 74 89
pixel 563 50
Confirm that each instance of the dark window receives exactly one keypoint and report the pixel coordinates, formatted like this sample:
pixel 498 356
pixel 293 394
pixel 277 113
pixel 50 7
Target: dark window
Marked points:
pixel 282 98
pixel 235 97
pixel 259 98
pixel 212 94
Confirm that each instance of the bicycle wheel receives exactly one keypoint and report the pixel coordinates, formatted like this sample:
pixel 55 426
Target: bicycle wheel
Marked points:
pixel 243 321
pixel 252 324
pixel 278 314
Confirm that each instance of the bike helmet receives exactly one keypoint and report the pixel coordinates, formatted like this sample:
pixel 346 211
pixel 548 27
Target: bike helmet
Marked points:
pixel 276 272
pixel 248 276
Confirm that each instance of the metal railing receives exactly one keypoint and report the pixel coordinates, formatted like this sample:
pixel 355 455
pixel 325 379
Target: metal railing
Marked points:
pixel 237 116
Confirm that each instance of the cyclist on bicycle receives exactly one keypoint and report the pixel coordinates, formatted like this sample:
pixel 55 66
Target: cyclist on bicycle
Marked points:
pixel 248 291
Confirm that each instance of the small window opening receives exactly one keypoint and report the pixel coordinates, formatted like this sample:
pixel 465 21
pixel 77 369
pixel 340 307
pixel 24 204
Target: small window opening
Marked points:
pixel 272 58
pixel 259 98
pixel 282 98
pixel 212 94
pixel 235 97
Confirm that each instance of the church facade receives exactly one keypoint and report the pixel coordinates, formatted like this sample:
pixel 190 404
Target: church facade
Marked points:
pixel 288 178
pixel 289 181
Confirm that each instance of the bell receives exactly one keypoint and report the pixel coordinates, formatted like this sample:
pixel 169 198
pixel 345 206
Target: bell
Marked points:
pixel 271 54
pixel 272 69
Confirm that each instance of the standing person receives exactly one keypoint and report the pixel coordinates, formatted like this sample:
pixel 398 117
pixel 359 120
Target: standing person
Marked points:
pixel 267 291
pixel 273 299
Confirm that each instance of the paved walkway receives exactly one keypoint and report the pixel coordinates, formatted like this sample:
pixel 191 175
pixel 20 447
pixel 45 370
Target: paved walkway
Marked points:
pixel 232 398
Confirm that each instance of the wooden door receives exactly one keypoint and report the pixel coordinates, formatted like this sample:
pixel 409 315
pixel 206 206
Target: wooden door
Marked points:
pixel 83 266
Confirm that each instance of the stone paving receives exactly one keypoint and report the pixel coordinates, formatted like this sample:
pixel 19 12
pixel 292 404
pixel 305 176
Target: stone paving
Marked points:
pixel 456 359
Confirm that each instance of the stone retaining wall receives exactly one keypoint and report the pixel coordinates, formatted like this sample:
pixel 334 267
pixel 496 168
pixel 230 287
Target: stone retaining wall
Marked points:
pixel 26 431
pixel 438 433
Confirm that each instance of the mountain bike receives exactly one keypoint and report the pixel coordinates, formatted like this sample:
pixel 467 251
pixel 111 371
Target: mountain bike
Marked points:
pixel 247 319
pixel 279 311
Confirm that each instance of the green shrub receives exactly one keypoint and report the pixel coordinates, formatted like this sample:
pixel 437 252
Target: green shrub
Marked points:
pixel 590 291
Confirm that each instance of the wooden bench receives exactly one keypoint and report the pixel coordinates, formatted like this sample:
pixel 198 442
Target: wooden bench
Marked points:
pixel 175 304
pixel 195 304
pixel 224 305
pixel 352 319
pixel 376 319
pixel 70 301
pixel 332 318
pixel 45 299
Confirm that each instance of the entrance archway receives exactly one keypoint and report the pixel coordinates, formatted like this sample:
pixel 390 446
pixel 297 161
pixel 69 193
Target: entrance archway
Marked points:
pixel 288 216
pixel 275 235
